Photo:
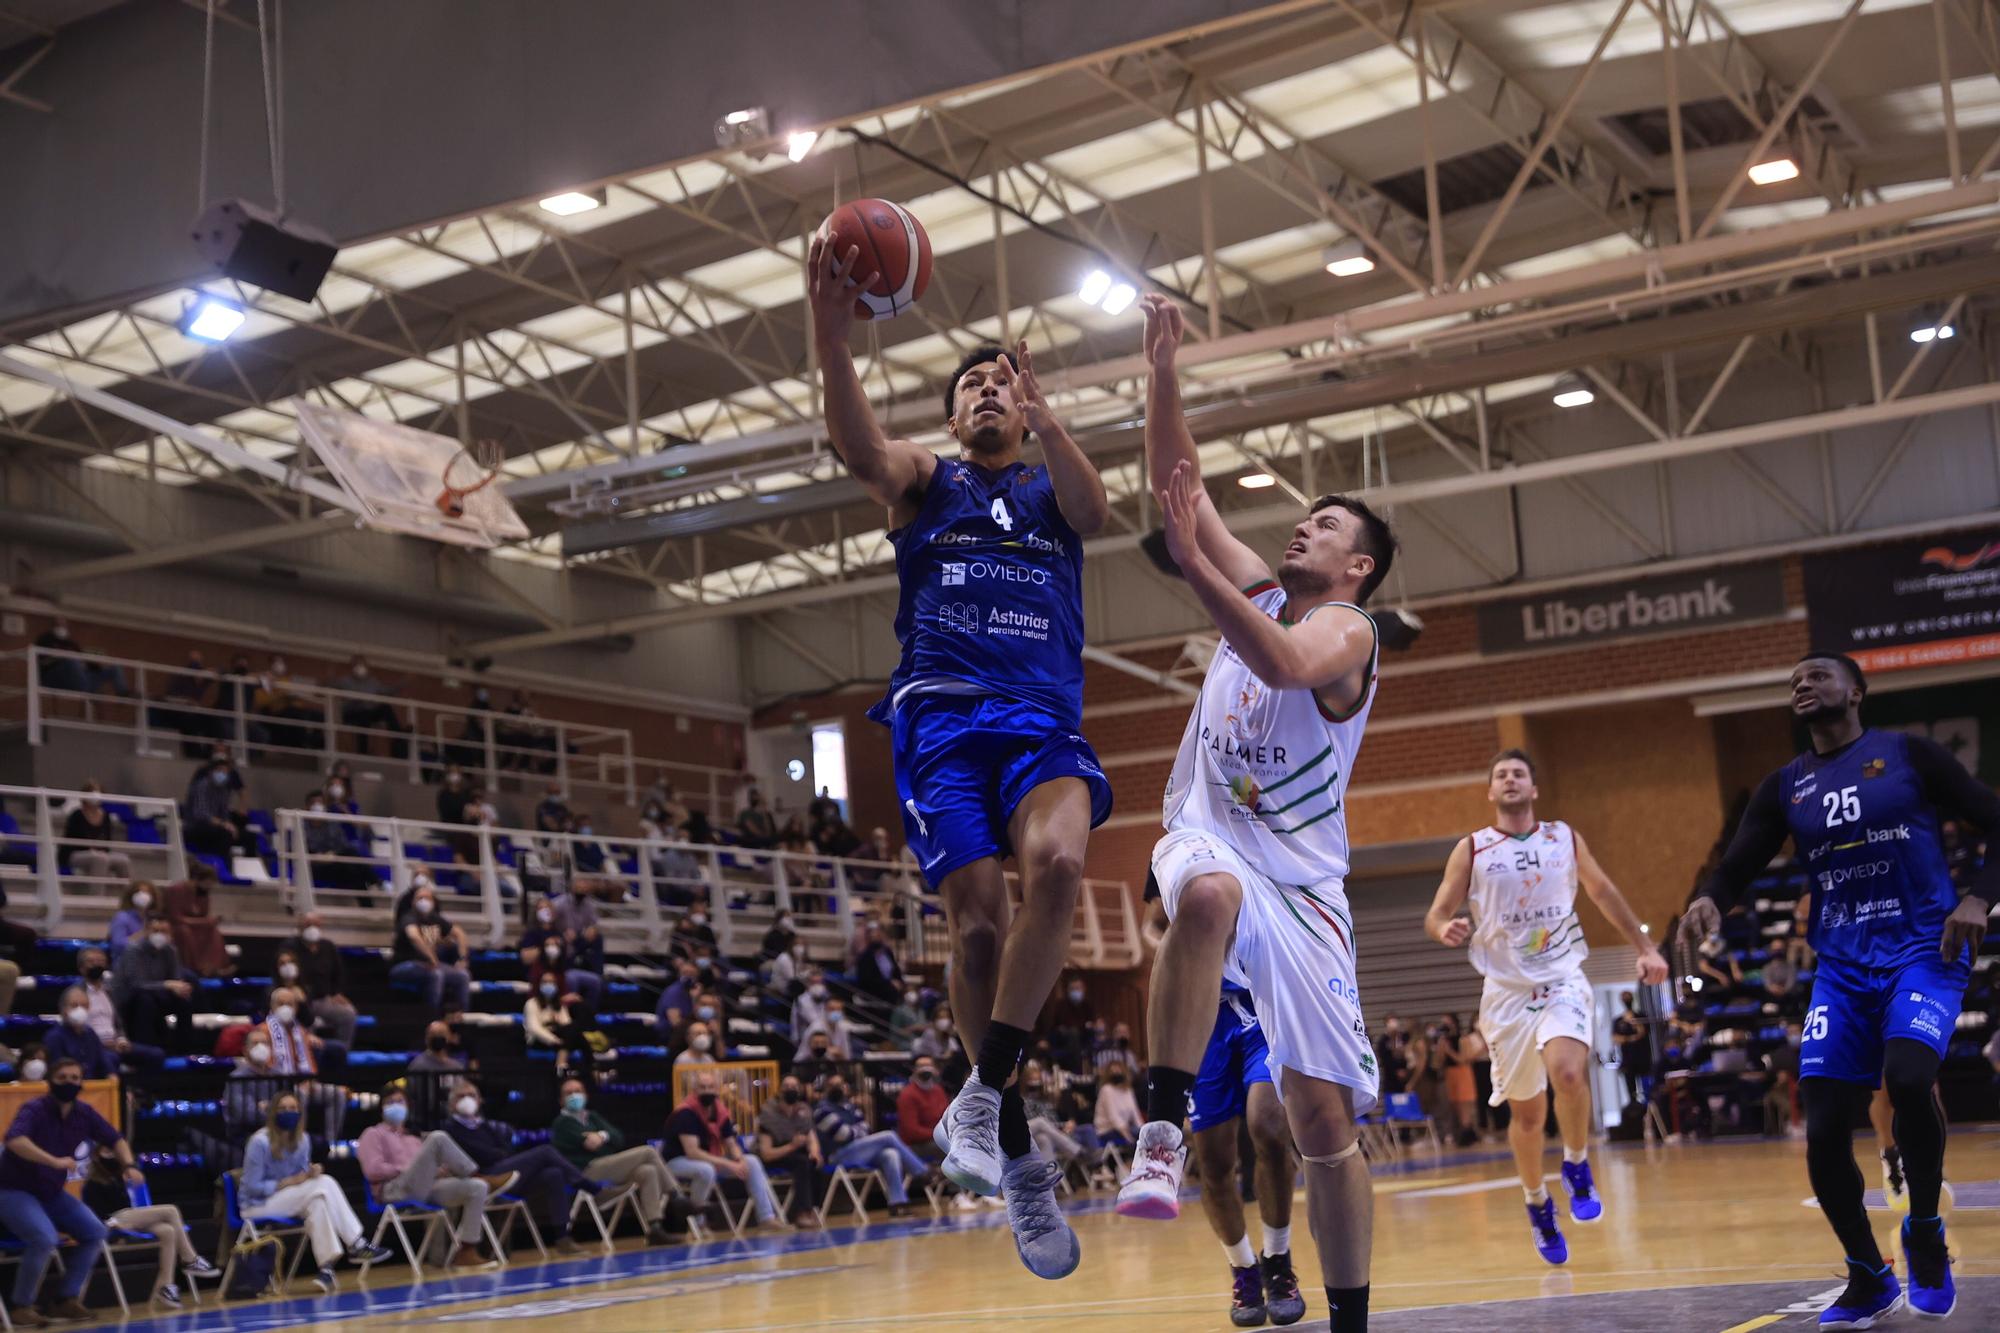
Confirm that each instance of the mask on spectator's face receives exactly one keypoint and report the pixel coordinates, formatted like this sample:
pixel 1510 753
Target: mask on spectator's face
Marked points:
pixel 277 666
pixel 819 1050
pixel 288 971
pixel 310 934
pixel 425 906
pixel 544 915
pixel 549 990
pixel 706 1013
pixel 1076 995
pixel 396 1113
pixel 259 1054
pixel 453 779
pixel 701 1042
pixel 34 1071
pixel 94 972
pixel 159 939
pixel 819 990
pixel 284 1013
pixel 551 950
pixel 65 1092
pixel 836 1094
pixel 218 776
pixel 944 1025
pixel 142 900
pixel 287 1120
pixel 77 1016
pixel 1118 1078
pixel 910 998
pixel 438 1041
pixel 791 1096
pixel 705 1098
pixel 799 952
pixel 697 919
pixel 576 1101
pixel 335 791
pixel 318 807
pixel 926 1076
pixel 785 921
pixel 468 1107
pixel 835 1015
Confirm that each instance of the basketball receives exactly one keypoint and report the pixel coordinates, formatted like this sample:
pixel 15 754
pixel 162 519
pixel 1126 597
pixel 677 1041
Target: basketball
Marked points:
pixel 893 247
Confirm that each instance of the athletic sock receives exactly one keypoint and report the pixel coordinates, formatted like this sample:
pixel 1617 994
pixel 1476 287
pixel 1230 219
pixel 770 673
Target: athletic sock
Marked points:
pixel 1350 1309
pixel 1580 1155
pixel 1240 1254
pixel 1536 1196
pixel 1000 1053
pixel 1015 1140
pixel 1277 1240
pixel 1167 1094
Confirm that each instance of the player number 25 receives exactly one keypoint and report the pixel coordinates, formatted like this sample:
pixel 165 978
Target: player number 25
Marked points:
pixel 1842 807
pixel 1816 1023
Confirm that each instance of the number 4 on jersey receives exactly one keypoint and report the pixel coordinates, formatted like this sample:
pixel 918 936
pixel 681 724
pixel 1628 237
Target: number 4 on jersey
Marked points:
pixel 1001 516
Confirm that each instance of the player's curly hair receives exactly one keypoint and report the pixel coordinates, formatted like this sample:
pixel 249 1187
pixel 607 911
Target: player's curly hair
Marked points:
pixel 984 355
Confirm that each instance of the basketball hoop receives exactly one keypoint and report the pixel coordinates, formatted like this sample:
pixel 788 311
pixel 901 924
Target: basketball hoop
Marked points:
pixel 481 467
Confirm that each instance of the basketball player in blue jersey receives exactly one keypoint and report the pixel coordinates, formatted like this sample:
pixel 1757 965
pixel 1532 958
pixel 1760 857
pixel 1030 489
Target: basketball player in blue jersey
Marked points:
pixel 1895 942
pixel 984 712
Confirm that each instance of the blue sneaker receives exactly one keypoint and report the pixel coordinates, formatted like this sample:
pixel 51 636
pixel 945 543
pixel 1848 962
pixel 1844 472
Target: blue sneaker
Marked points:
pixel 1933 1295
pixel 1549 1241
pixel 1870 1298
pixel 1584 1205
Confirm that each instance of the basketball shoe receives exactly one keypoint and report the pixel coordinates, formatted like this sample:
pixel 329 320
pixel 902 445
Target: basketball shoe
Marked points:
pixel 1932 1295
pixel 1246 1296
pixel 1282 1299
pixel 1549 1242
pixel 1153 1189
pixel 1042 1235
pixel 969 1134
pixel 1581 1186
pixel 1870 1298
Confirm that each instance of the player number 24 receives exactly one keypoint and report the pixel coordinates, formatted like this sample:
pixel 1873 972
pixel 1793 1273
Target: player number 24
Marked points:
pixel 1842 807
pixel 1816 1023
pixel 1001 516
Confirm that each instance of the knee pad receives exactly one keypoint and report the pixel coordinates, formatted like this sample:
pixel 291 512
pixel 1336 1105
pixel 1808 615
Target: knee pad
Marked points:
pixel 1334 1158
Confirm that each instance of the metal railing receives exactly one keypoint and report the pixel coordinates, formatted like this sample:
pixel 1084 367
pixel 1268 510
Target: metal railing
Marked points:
pixel 156 702
pixel 36 850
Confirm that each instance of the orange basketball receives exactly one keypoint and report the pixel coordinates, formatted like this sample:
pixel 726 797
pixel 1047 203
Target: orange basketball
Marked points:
pixel 893 247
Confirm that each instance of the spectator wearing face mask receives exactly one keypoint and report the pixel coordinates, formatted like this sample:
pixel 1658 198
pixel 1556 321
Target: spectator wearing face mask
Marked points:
pixel 877 975
pixel 212 818
pixel 372 714
pixel 809 1010
pixel 839 1032
pixel 676 1005
pixel 430 951
pixel 692 935
pixel 102 1014
pixel 323 978
pixel 1118 1117
pixel 576 921
pixel 275 697
pixel 755 827
pixel 44 1141
pixel 1059 1139
pixel 778 940
pixel 197 928
pixel 90 822
pixel 253 1081
pixel 586 852
pixel 1070 1021
pixel 844 1140
pixel 72 1038
pixel 906 1020
pixel 702 1150
pixel 596 1147
pixel 549 1020
pixel 60 672
pixel 815 1060
pixel 937 1040
pixel 149 990
pixel 280 1180
pixel 297 1053
pixel 335 852
pixel 547 1180
pixel 433 1169
pixel 193 690
pixel 431 1074
pixel 130 918
pixel 679 876
pixel 919 1106
pixel 546 949
pixel 700 1046
pixel 1117 1051
pixel 786 1142
pixel 782 971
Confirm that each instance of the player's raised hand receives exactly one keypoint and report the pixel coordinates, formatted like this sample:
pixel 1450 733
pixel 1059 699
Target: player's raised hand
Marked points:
pixel 1018 374
pixel 831 288
pixel 1702 919
pixel 1456 932
pixel 1178 500
pixel 1965 926
pixel 1164 327
pixel 1652 967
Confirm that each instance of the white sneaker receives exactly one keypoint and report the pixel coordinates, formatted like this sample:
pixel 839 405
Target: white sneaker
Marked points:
pixel 1153 1189
pixel 971 1126
pixel 1895 1191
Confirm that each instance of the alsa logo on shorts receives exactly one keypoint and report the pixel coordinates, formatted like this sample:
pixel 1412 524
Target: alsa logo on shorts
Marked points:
pixel 958 572
pixel 1344 988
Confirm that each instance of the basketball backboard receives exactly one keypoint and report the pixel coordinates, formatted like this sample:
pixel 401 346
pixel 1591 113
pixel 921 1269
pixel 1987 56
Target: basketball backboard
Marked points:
pixel 395 474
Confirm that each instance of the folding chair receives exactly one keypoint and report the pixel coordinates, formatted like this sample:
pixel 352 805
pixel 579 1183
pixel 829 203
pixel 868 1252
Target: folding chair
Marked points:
pixel 514 1209
pixel 428 1216
pixel 856 1182
pixel 1405 1114
pixel 619 1200
pixel 1377 1143
pixel 237 1227
pixel 121 1241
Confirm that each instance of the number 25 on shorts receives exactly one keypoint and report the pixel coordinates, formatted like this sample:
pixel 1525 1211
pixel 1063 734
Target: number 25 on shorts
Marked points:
pixel 1816 1023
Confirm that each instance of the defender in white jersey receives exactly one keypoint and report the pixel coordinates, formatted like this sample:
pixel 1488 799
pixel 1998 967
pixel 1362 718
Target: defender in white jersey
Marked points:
pixel 1252 865
pixel 1519 877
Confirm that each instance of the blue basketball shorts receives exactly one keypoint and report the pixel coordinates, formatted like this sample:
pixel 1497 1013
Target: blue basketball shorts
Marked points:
pixel 965 762
pixel 1236 1058
pixel 1855 1010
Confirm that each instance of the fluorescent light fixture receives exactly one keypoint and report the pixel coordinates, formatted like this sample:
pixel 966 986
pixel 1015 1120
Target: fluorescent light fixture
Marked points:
pixel 800 142
pixel 211 319
pixel 743 117
pixel 1347 259
pixel 1256 481
pixel 1571 391
pixel 1120 296
pixel 571 202
pixel 1094 287
pixel 1777 169
pixel 1931 333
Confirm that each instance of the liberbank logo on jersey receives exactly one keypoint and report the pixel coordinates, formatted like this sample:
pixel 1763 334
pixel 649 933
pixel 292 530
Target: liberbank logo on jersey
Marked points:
pixel 1669 604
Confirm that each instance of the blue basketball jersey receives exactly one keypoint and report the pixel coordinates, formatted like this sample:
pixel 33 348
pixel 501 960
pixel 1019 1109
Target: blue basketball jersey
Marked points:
pixel 1869 838
pixel 992 592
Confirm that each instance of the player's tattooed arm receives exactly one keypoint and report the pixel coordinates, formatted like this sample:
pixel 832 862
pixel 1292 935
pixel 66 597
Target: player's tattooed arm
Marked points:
pixel 1443 922
pixel 1758 838
pixel 1169 443
pixel 1652 967
pixel 893 472
pixel 1079 490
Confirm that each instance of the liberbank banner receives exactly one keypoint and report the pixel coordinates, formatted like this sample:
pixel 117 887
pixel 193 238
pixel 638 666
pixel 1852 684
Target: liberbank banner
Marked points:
pixel 1908 604
pixel 1669 604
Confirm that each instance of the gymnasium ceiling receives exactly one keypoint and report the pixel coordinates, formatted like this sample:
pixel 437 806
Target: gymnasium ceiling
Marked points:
pixel 1545 190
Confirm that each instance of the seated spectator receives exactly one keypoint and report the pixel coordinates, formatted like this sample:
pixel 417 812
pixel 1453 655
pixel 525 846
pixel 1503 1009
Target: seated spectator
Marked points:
pixel 373 714
pixel 402 1168
pixel 103 1013
pixel 839 1032
pixel 596 1147
pixel 786 1142
pixel 253 1081
pixel 526 734
pixel 546 1179
pixel 702 1150
pixel 700 1046
pixel 815 1062
pixel 149 989
pixel 130 918
pixel 280 1180
pixel 339 789
pixel 42 1146
pixel 919 1106
pixel 1069 1023
pixel 91 822
pixel 197 929
pixel 576 921
pixel 275 697
pixel 877 975
pixel 547 1018
pixel 59 672
pixel 1718 969
pixel 194 692
pixel 430 951
pixel 673 816
pixel 1057 1137
pixel 296 1053
pixel 780 938
pixel 755 827
pixel 698 830
pixel 676 1005
pixel 906 1020
pixel 833 837
pixel 323 978
pixel 844 1140
pixel 588 853
pixel 552 812
pixel 937 1040
pixel 692 935
pixel 34 1064
pixel 336 853
pixel 232 696
pixel 107 1193
pixel 431 1074
pixel 1780 982
pixel 548 948
pixel 784 982
pixel 879 850
pixel 212 818
pixel 809 1010
pixel 1118 1051
pixel 1118 1119
pixel 72 1038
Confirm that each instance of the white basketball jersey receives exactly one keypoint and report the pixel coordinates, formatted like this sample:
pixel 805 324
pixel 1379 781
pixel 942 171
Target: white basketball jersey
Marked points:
pixel 1523 901
pixel 1266 770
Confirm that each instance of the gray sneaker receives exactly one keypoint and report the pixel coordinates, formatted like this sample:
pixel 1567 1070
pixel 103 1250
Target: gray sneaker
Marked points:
pixel 1042 1234
pixel 971 1128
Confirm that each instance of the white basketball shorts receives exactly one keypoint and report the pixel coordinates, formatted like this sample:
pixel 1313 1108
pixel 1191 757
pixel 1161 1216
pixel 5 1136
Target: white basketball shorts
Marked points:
pixel 1517 1021
pixel 1294 953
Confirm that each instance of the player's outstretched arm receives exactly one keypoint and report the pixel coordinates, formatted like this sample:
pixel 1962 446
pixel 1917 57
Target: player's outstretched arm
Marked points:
pixel 1955 792
pixel 1169 442
pixel 1652 967
pixel 1758 838
pixel 1079 490
pixel 891 471
pixel 1443 922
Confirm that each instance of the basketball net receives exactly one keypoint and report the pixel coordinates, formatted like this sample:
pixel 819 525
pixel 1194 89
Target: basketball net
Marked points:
pixel 475 469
